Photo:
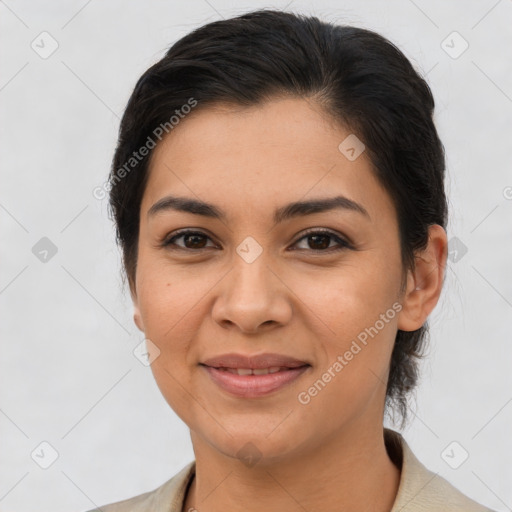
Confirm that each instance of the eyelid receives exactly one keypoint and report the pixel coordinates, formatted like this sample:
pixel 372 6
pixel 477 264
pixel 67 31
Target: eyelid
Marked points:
pixel 166 242
pixel 342 241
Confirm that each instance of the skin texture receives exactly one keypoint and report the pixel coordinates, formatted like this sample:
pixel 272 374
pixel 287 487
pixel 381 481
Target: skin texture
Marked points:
pixel 328 454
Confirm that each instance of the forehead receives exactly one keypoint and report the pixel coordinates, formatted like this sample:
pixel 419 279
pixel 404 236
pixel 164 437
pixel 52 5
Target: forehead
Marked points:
pixel 259 157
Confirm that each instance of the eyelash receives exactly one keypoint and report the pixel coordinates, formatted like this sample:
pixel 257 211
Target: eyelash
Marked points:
pixel 343 244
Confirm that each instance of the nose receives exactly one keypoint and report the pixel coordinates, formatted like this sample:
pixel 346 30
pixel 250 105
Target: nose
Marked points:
pixel 252 297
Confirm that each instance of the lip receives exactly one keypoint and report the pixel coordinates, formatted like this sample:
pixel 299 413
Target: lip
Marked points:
pixel 253 386
pixel 267 360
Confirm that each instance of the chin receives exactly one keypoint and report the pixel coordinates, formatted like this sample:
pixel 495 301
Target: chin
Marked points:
pixel 257 446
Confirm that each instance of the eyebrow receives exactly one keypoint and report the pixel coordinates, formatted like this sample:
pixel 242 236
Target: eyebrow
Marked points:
pixel 289 211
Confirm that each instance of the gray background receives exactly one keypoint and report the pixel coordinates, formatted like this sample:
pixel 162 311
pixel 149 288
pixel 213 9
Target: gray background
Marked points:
pixel 68 374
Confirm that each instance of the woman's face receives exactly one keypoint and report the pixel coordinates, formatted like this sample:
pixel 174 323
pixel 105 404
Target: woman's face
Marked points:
pixel 261 279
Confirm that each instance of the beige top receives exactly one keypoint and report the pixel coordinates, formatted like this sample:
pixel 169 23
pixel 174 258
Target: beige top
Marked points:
pixel 420 490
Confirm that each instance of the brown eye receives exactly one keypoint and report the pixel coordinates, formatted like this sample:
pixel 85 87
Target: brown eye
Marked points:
pixel 192 240
pixel 316 241
pixel 320 241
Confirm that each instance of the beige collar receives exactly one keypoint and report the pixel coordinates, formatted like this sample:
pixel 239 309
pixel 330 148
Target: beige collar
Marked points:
pixel 420 490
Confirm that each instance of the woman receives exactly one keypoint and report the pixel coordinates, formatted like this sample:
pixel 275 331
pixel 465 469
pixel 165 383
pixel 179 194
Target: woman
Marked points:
pixel 278 195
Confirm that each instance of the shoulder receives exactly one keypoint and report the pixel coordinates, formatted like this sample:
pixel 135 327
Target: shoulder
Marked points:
pixel 422 490
pixel 168 497
pixel 437 494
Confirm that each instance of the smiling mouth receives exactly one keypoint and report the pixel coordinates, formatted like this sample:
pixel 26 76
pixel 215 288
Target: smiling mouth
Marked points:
pixel 255 371
pixel 254 382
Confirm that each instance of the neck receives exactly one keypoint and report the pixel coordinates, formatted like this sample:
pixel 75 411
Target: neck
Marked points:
pixel 351 471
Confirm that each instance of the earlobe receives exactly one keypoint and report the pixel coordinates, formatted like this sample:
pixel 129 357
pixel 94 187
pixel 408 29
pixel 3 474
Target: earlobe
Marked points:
pixel 137 318
pixel 425 281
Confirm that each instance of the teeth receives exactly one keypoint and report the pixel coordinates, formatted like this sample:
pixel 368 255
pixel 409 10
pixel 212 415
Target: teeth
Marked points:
pixel 255 371
pixel 261 371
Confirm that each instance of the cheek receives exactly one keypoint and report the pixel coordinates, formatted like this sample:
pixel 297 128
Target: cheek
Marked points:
pixel 173 305
pixel 165 295
pixel 348 300
pixel 352 374
pixel 167 309
pixel 358 312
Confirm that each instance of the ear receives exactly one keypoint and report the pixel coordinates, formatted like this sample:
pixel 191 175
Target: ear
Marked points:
pixel 425 281
pixel 137 318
